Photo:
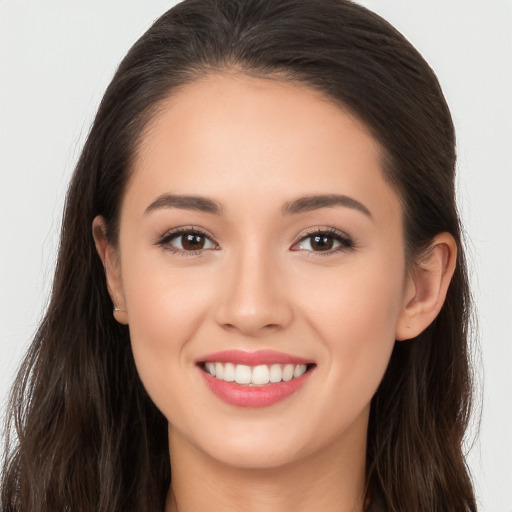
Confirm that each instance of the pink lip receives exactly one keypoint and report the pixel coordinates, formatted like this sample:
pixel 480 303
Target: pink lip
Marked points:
pixel 253 396
pixel 252 358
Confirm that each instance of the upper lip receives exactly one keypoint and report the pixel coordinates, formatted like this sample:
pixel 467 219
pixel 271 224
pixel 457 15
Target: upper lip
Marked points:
pixel 253 358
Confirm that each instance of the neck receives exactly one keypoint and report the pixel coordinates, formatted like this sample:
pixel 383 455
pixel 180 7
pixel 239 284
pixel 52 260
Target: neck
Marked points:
pixel 317 482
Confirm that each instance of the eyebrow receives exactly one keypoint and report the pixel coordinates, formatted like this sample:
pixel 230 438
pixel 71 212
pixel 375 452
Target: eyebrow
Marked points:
pixel 196 203
pixel 309 203
pixel 301 205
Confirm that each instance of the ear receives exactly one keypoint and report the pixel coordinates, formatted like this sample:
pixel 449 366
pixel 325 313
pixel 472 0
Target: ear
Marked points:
pixel 426 287
pixel 110 258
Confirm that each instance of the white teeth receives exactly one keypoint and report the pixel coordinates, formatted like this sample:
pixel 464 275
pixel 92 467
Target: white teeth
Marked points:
pixel 210 368
pixel 299 370
pixel 260 375
pixel 288 372
pixel 219 371
pixel 229 372
pixel 276 374
pixel 242 374
pixel 254 375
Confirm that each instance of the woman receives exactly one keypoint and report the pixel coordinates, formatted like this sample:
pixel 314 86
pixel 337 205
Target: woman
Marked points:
pixel 266 202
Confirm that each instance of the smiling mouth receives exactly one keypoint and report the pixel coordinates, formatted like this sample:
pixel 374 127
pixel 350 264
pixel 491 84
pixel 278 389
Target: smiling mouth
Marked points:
pixel 255 376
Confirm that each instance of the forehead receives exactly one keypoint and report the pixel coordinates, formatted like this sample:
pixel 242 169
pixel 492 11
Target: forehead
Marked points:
pixel 234 136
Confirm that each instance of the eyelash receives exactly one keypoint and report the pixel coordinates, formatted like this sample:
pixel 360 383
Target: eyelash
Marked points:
pixel 169 236
pixel 346 243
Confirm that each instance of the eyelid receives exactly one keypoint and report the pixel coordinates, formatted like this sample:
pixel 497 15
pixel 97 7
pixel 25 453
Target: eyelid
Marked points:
pixel 347 242
pixel 170 234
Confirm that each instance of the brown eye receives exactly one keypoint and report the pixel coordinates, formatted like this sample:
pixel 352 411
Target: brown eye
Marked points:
pixel 192 241
pixel 188 241
pixel 322 243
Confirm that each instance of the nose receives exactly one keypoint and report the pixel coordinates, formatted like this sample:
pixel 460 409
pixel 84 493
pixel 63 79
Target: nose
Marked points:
pixel 254 298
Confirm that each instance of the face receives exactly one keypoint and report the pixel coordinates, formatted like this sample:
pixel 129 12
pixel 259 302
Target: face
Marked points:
pixel 259 241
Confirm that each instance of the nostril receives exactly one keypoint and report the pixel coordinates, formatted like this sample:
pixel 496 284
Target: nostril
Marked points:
pixel 251 326
pixel 251 307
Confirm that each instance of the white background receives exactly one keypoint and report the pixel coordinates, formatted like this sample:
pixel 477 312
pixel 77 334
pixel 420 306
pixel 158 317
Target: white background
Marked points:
pixel 56 58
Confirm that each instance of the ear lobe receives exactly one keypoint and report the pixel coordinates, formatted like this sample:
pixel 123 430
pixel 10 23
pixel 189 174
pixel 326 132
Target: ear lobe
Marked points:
pixel 427 287
pixel 110 260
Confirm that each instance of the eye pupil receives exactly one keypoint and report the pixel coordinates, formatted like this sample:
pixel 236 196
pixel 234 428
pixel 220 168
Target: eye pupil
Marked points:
pixel 322 242
pixel 193 241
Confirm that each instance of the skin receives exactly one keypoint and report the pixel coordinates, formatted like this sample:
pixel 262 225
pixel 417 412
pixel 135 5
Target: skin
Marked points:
pixel 253 146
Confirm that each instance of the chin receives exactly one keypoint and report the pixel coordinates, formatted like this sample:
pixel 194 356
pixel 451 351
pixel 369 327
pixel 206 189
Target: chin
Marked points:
pixel 256 456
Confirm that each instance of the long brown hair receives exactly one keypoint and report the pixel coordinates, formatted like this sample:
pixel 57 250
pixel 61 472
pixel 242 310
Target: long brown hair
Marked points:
pixel 86 435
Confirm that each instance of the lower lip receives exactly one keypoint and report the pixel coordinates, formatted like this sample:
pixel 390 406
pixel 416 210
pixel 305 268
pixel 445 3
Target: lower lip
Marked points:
pixel 253 396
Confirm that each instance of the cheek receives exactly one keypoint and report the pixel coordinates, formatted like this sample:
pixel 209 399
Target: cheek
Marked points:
pixel 164 302
pixel 355 316
pixel 165 310
pixel 355 301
